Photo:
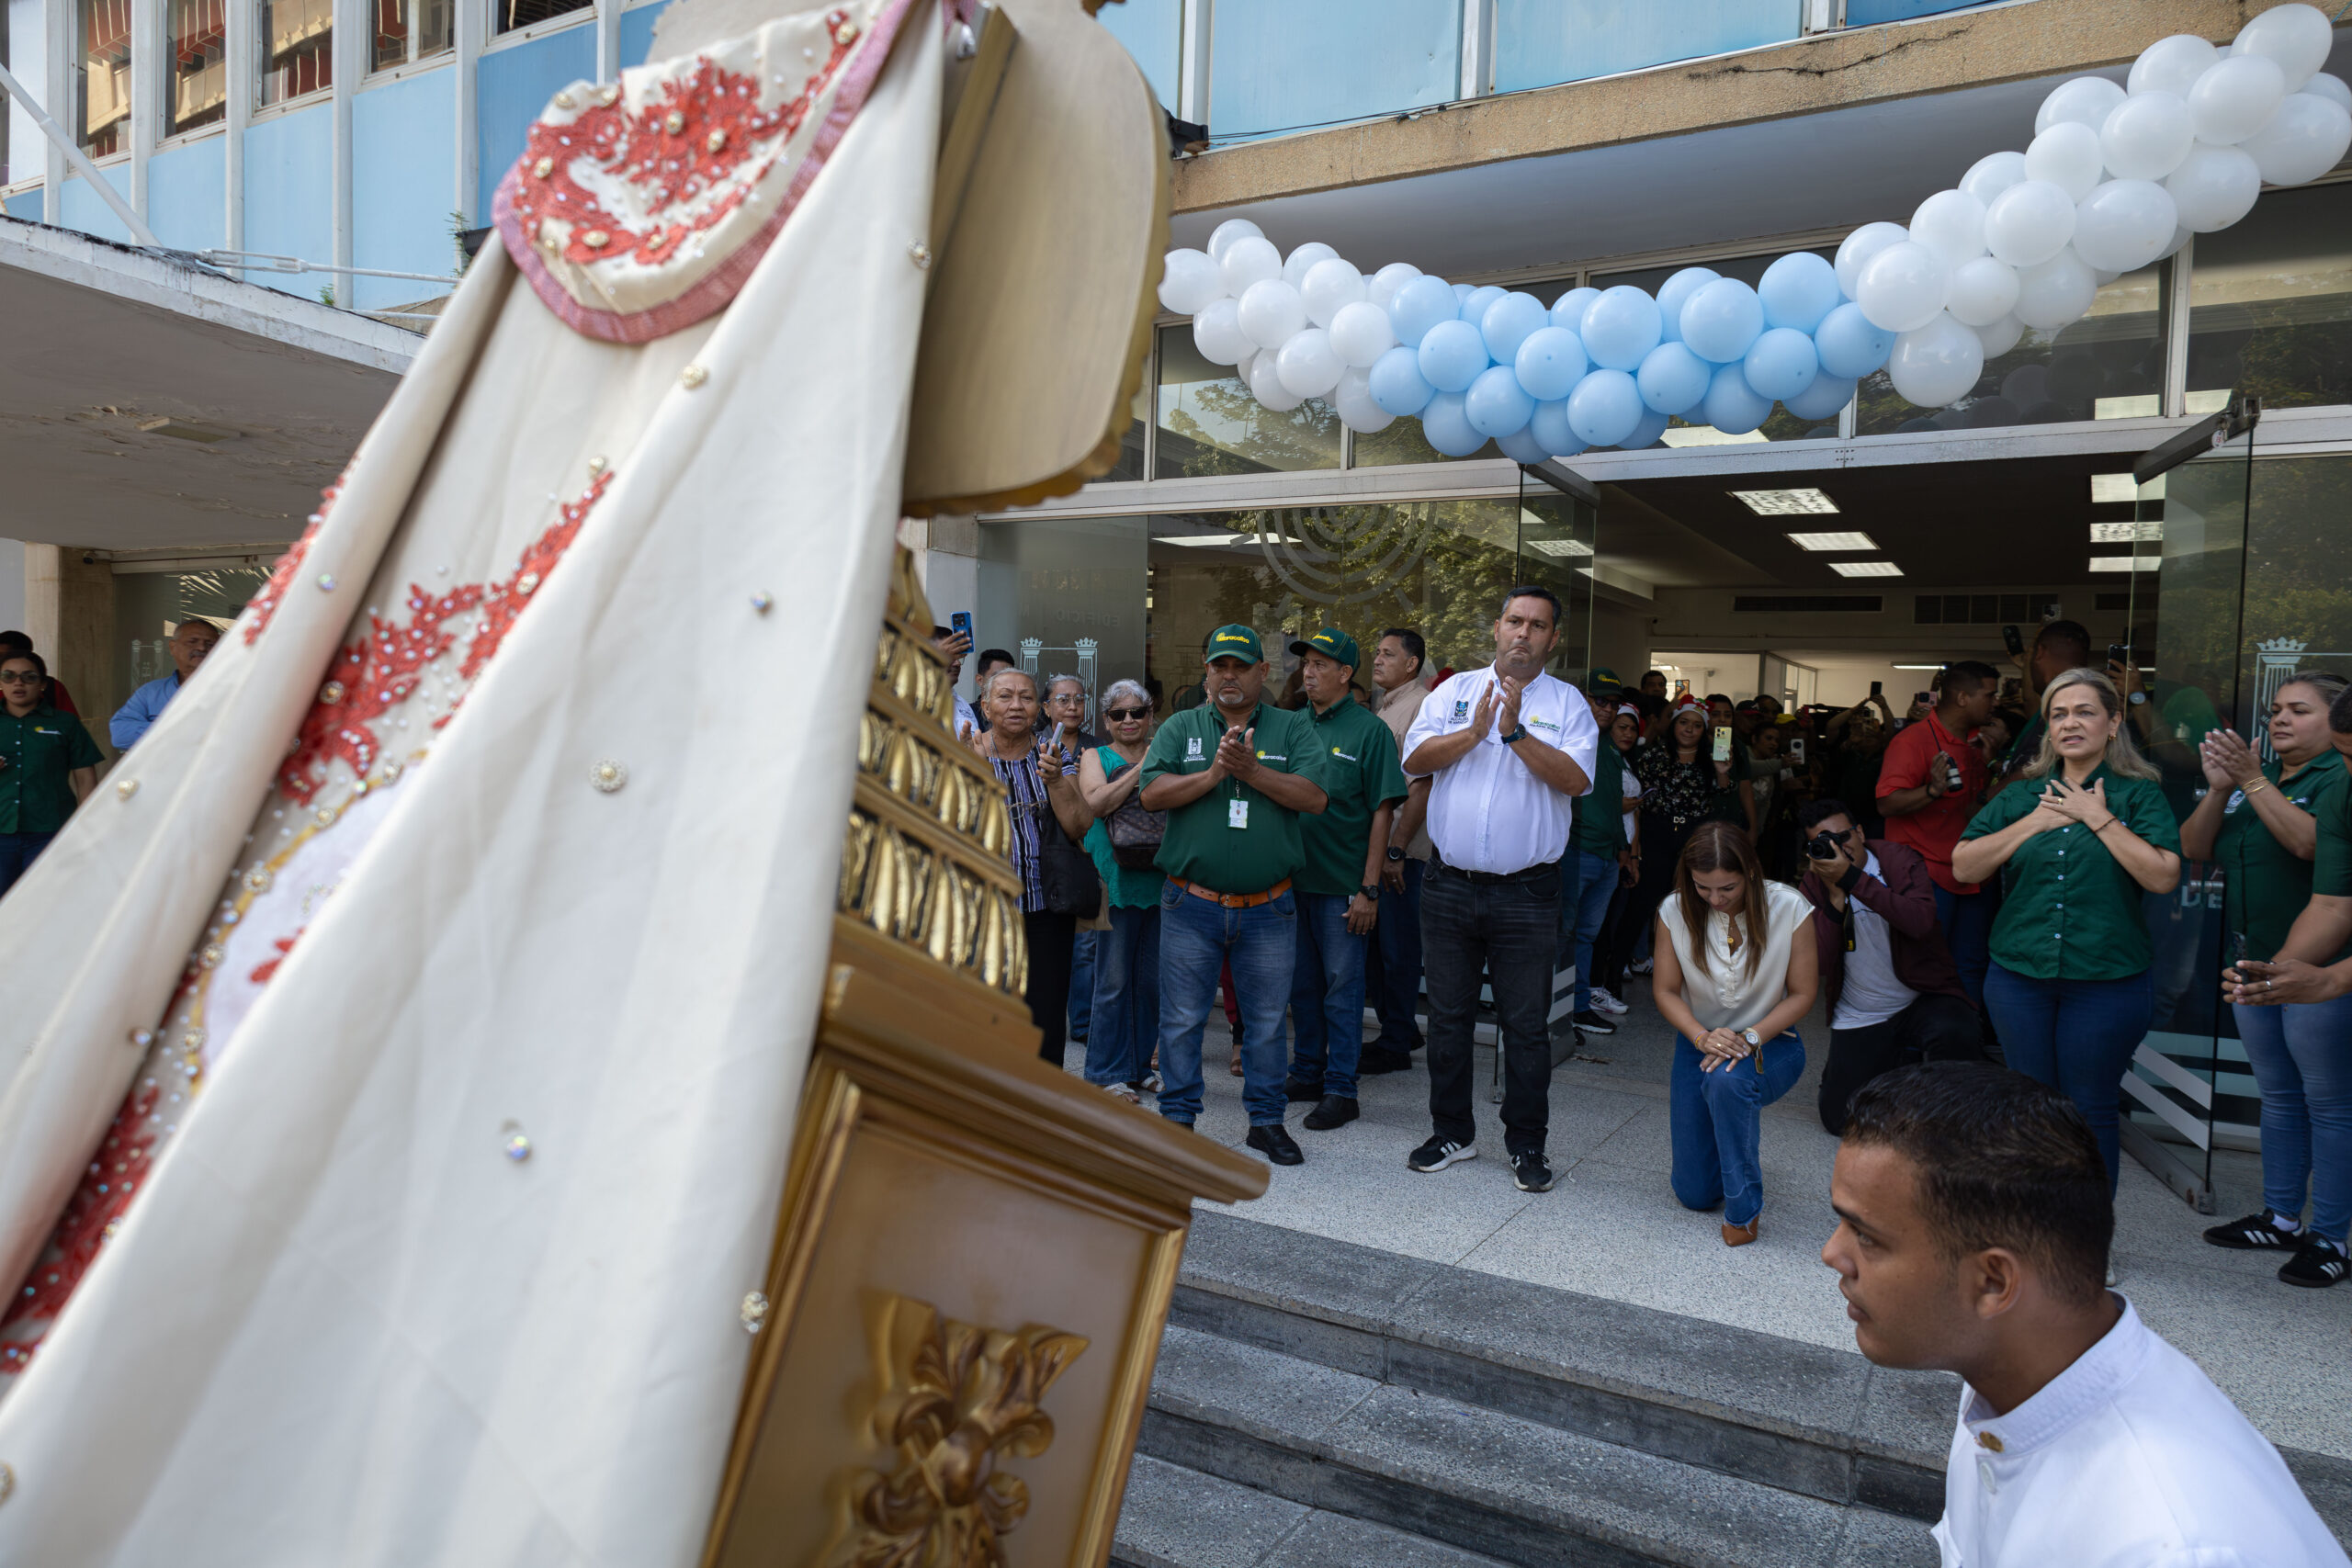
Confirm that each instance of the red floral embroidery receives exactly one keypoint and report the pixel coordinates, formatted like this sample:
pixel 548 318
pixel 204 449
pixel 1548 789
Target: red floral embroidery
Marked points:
pixel 264 605
pixel 264 971
pixel 705 137
pixel 503 605
pixel 105 1194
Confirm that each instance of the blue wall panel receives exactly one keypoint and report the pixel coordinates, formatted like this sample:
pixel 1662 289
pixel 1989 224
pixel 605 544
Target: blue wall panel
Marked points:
pixel 404 162
pixel 187 194
pixel 80 208
pixel 516 84
pixel 1862 13
pixel 1539 43
pixel 1153 32
pixel 25 204
pixel 636 32
pixel 289 195
pixel 1281 65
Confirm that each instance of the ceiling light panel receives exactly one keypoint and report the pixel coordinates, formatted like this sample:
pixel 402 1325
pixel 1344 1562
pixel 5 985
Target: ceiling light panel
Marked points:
pixel 1786 502
pixel 1848 541
pixel 2116 490
pixel 2126 563
pixel 1558 547
pixel 1865 568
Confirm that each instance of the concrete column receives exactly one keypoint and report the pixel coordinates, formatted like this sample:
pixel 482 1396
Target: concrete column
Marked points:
pixel 243 46
pixel 12 585
pixel 471 25
pixel 149 75
pixel 69 613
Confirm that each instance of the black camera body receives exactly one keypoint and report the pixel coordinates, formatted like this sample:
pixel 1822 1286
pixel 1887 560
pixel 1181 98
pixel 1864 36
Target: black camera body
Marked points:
pixel 1821 846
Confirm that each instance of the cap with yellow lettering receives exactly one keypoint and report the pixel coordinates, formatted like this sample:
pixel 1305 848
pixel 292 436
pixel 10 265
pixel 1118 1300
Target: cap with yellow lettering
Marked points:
pixel 1332 644
pixel 1235 642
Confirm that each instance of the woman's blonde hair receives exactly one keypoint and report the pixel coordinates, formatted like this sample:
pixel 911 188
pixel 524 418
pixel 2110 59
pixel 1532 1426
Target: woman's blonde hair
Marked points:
pixel 1719 846
pixel 2123 759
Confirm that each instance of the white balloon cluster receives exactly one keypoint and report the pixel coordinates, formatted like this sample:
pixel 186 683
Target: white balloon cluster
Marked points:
pixel 2115 179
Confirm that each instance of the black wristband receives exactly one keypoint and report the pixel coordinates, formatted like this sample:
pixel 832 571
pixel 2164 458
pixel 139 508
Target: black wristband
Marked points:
pixel 1518 734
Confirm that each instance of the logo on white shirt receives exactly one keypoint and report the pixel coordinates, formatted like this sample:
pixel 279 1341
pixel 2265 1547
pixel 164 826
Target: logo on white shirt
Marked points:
pixel 1461 710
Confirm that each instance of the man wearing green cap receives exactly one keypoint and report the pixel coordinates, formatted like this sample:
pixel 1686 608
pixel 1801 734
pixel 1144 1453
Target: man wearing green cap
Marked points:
pixel 1339 887
pixel 1233 775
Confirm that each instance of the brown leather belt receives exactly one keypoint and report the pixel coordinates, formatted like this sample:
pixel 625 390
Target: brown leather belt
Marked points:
pixel 1234 900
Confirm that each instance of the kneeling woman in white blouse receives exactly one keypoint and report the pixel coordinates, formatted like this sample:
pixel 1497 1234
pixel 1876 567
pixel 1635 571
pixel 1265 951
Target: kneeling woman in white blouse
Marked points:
pixel 1735 992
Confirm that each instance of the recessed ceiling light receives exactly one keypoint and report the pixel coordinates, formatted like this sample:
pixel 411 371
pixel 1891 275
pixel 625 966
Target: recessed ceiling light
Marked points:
pixel 1209 539
pixel 2126 563
pixel 2127 533
pixel 1785 503
pixel 1848 541
pixel 1918 667
pixel 2112 489
pixel 1865 568
pixel 1557 547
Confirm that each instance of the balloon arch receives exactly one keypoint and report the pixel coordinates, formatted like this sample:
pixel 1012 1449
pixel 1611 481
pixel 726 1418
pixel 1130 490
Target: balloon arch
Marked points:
pixel 2116 178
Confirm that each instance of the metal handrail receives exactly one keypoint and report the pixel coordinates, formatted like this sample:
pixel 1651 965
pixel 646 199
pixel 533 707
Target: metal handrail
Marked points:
pixel 82 164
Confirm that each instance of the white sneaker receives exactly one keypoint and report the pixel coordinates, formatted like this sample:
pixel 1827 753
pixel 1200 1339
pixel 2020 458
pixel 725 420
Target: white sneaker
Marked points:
pixel 1603 1002
pixel 1640 966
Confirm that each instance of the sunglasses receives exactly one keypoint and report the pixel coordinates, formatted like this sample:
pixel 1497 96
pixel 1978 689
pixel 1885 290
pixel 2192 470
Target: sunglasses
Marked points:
pixel 20 678
pixel 1120 715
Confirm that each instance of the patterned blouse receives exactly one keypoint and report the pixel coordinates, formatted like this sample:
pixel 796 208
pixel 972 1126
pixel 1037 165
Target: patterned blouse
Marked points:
pixel 1025 797
pixel 1679 795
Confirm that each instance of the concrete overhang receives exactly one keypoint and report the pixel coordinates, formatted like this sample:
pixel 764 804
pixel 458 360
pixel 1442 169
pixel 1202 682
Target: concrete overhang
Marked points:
pixel 151 403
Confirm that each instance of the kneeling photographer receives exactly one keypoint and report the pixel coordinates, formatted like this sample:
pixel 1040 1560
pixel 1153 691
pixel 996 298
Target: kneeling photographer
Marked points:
pixel 1892 993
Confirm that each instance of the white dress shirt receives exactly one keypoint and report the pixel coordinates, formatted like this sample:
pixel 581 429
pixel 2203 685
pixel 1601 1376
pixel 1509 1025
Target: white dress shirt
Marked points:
pixel 2131 1457
pixel 1870 993
pixel 1730 994
pixel 1488 811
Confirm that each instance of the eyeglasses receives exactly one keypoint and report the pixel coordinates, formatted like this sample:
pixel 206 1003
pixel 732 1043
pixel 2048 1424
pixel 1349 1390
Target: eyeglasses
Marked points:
pixel 1120 715
pixel 21 678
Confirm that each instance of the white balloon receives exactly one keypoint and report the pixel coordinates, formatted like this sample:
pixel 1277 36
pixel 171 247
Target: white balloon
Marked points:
pixel 2304 140
pixel 2124 225
pixel 1216 333
pixel 2236 97
pixel 1307 364
pixel 1903 288
pixel 2172 65
pixel 1952 224
pixel 1329 284
pixel 2029 222
pixel 1188 281
pixel 1351 400
pixel 1937 362
pixel 1362 332
pixel 1247 259
pixel 1271 311
pixel 2214 188
pixel 2068 155
pixel 1387 280
pixel 2147 136
pixel 1983 292
pixel 2332 89
pixel 1993 174
pixel 2001 336
pixel 1860 246
pixel 2294 37
pixel 1295 266
pixel 1266 385
pixel 2057 292
pixel 1221 239
pixel 2179 238
pixel 2083 101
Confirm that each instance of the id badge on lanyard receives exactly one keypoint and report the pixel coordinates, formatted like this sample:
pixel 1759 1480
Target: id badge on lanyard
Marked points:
pixel 1237 814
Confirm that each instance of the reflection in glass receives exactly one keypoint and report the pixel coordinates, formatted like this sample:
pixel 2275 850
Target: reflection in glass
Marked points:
pixel 1780 425
pixel 1131 443
pixel 1281 65
pixel 410 30
pixel 103 126
pixel 297 48
pixel 2270 304
pixel 513 13
pixel 1064 596
pixel 1210 424
pixel 196 88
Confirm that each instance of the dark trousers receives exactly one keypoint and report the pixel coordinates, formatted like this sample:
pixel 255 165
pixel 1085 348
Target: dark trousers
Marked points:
pixel 17 851
pixel 1392 970
pixel 1967 919
pixel 1932 1029
pixel 1505 932
pixel 1051 939
pixel 2077 1036
pixel 1661 847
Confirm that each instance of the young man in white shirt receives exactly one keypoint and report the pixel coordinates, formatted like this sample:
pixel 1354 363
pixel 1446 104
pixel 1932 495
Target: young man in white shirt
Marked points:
pixel 1974 1224
pixel 1507 748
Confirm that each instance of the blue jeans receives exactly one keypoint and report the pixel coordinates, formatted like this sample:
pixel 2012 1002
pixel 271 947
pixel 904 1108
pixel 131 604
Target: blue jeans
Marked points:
pixel 2077 1036
pixel 1126 1009
pixel 17 851
pixel 2302 1056
pixel 1717 1121
pixel 1081 984
pixel 1196 939
pixel 1584 904
pixel 1327 995
pixel 1393 966
pixel 1967 921
pixel 1505 933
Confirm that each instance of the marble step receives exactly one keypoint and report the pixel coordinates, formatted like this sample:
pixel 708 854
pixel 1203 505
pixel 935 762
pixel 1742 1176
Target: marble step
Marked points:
pixel 1176 1517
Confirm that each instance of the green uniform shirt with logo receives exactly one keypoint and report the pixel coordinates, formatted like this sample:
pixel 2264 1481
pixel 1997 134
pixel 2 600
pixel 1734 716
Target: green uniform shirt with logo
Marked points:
pixel 2071 911
pixel 1355 753
pixel 41 749
pixel 1232 840
pixel 2263 888
pixel 1600 811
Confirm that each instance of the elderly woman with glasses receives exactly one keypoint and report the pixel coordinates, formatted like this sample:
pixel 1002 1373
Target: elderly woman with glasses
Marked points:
pixel 48 764
pixel 1126 963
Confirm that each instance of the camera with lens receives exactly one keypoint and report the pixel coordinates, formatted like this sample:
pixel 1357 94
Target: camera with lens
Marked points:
pixel 1824 845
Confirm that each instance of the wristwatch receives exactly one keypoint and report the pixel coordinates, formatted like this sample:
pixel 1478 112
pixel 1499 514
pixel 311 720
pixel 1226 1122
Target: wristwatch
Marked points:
pixel 1751 1037
pixel 1395 854
pixel 1518 734
pixel 1371 890
pixel 2138 697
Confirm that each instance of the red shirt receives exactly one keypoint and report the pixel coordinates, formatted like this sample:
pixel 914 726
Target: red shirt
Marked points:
pixel 1935 828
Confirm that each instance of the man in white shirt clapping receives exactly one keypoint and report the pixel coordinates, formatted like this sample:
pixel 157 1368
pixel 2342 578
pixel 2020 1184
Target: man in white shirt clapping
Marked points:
pixel 1975 1226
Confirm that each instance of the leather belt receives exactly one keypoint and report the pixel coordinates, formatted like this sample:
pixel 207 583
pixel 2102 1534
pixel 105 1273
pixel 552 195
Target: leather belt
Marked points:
pixel 1234 900
pixel 1527 874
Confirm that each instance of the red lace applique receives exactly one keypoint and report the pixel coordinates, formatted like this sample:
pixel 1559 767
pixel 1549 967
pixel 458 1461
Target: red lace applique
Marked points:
pixel 264 971
pixel 503 603
pixel 264 605
pixel 115 1175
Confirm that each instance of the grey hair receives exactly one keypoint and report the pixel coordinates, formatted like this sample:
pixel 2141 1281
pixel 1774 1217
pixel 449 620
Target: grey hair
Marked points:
pixel 1126 689
pixel 1053 681
pixel 988 687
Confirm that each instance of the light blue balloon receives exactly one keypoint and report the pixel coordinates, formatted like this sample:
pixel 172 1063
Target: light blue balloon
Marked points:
pixel 1605 407
pixel 1520 447
pixel 1721 320
pixel 1496 403
pixel 1782 364
pixel 1444 426
pixel 1675 293
pixel 1549 426
pixel 1646 434
pixel 1798 290
pixel 1672 379
pixel 1732 405
pixel 1550 362
pixel 1420 305
pixel 1475 303
pixel 1451 355
pixel 1508 322
pixel 1618 328
pixel 1849 346
pixel 1397 384
pixel 1569 310
pixel 1822 400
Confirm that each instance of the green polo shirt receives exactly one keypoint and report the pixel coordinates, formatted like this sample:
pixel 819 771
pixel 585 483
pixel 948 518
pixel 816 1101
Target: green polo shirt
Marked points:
pixel 1601 810
pixel 41 749
pixel 2262 887
pixel 1355 752
pixel 1202 845
pixel 2071 911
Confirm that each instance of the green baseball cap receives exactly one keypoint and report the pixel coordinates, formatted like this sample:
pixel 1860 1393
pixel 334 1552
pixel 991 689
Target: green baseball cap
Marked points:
pixel 1332 644
pixel 1235 642
pixel 1603 681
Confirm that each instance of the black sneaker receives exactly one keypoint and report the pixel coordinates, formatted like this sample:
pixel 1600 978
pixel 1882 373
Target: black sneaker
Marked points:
pixel 1532 1171
pixel 2255 1233
pixel 1593 1022
pixel 1297 1094
pixel 1277 1144
pixel 2318 1263
pixel 1438 1153
pixel 1383 1059
pixel 1336 1110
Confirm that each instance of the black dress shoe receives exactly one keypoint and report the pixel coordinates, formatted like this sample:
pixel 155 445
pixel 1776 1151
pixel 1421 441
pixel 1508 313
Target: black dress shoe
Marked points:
pixel 1335 1112
pixel 1276 1145
pixel 1297 1094
pixel 1384 1059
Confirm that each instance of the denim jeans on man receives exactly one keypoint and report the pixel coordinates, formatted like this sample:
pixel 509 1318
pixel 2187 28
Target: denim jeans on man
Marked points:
pixel 2077 1037
pixel 1327 995
pixel 1391 969
pixel 1505 933
pixel 17 851
pixel 1197 937
pixel 2302 1056
pixel 1126 1007
pixel 1967 921
pixel 1584 904
pixel 1081 984
pixel 1717 1122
